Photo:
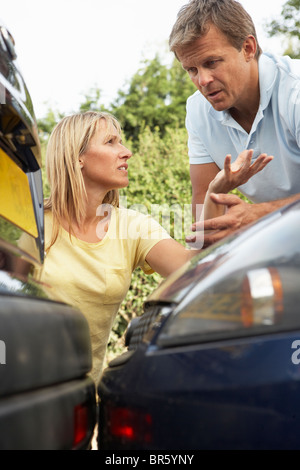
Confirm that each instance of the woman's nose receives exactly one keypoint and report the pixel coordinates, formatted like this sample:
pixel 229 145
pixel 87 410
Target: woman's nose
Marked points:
pixel 126 152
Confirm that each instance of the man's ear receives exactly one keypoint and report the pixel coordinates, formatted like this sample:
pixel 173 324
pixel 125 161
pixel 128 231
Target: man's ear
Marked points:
pixel 250 47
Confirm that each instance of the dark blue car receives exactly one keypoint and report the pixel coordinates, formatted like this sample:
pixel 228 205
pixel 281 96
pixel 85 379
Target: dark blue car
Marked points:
pixel 214 361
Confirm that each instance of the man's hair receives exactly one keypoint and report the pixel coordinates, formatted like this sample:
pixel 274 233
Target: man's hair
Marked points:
pixel 195 18
pixel 68 141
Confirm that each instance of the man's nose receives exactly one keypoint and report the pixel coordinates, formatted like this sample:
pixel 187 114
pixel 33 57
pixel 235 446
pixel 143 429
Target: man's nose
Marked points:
pixel 203 78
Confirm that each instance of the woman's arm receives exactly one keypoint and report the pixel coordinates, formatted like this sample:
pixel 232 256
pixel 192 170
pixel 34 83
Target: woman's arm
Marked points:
pixel 168 255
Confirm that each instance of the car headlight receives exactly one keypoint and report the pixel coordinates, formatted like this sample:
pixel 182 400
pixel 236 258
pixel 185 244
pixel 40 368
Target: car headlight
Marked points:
pixel 252 290
pixel 256 301
pixel 262 297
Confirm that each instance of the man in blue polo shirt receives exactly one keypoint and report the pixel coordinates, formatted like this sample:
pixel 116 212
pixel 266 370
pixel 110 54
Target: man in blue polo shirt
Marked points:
pixel 245 100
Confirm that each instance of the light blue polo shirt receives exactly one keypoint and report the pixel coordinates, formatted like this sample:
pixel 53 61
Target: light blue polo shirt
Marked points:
pixel 275 131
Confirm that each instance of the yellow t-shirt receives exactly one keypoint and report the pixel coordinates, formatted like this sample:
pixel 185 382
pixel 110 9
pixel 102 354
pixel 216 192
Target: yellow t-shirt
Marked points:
pixel 95 277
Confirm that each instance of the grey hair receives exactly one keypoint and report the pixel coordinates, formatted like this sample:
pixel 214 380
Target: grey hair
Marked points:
pixel 229 16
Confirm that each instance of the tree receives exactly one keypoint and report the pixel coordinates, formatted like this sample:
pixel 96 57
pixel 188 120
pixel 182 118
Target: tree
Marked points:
pixel 46 124
pixel 289 26
pixel 155 98
pixel 92 101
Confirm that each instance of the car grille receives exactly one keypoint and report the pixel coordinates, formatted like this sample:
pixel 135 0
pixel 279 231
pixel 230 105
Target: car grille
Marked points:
pixel 143 325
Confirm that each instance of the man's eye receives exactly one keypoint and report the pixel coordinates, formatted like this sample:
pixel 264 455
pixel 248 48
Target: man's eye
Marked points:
pixel 192 71
pixel 211 63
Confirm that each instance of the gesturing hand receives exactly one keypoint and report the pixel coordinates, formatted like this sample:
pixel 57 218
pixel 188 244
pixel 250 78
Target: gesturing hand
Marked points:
pixel 239 172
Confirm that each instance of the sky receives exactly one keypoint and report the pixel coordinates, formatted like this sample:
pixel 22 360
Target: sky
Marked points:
pixel 67 47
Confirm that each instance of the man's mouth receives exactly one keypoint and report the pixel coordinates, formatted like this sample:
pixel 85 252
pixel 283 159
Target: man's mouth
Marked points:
pixel 213 94
pixel 123 167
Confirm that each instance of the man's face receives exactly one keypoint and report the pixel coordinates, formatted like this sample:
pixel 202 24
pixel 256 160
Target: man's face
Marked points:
pixel 220 72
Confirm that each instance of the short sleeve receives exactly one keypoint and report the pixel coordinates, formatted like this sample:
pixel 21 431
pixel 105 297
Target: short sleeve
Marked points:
pixel 293 110
pixel 197 151
pixel 150 233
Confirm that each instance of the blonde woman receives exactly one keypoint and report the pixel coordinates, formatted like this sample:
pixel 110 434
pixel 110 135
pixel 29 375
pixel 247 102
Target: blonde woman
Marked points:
pixel 92 244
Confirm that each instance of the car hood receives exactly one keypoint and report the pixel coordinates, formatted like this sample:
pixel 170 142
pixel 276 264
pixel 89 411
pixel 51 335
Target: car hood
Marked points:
pixel 178 284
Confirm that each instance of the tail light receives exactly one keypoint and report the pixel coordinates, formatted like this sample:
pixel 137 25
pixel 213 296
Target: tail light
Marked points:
pixel 81 424
pixel 129 424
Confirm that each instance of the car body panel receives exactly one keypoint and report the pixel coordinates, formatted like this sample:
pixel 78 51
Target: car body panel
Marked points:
pixel 46 342
pixel 209 397
pixel 45 418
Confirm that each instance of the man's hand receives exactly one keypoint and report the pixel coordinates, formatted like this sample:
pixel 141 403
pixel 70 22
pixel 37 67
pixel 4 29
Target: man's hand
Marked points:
pixel 239 172
pixel 239 214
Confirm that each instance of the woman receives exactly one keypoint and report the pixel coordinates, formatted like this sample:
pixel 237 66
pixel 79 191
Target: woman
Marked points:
pixel 92 244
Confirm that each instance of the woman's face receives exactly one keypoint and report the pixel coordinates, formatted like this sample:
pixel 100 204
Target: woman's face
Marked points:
pixel 105 162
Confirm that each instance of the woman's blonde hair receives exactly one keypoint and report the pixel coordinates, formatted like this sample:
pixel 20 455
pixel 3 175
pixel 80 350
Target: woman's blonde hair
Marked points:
pixel 68 141
pixel 229 16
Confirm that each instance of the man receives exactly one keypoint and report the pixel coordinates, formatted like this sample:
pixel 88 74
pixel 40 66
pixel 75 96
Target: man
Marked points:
pixel 245 100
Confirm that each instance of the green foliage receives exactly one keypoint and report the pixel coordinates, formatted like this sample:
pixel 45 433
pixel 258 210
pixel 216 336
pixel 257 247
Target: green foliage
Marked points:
pixel 156 99
pixel 288 26
pixel 159 170
pixel 92 101
pixel 9 231
pixel 46 124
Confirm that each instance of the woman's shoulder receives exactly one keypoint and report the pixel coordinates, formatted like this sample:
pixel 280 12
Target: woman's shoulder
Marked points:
pixel 137 223
pixel 48 216
pixel 137 212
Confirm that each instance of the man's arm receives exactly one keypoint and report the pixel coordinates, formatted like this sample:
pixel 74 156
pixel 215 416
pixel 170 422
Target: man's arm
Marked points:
pixel 201 176
pixel 239 214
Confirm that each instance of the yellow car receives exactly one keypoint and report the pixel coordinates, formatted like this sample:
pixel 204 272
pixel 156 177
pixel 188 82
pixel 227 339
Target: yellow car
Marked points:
pixel 47 399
